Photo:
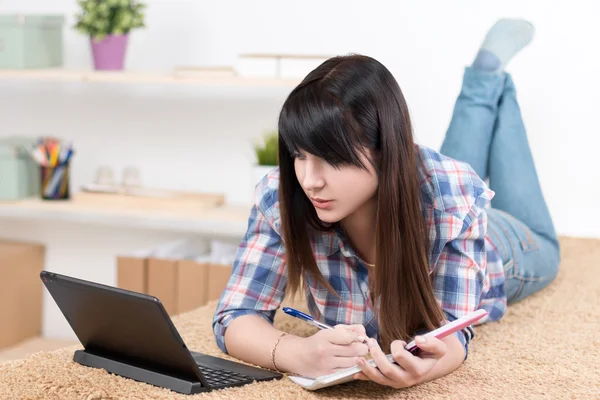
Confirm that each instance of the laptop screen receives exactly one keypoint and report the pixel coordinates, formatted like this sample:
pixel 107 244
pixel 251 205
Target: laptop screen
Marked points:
pixel 122 325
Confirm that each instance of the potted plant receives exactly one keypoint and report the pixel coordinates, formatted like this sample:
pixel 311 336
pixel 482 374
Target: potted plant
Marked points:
pixel 108 23
pixel 266 156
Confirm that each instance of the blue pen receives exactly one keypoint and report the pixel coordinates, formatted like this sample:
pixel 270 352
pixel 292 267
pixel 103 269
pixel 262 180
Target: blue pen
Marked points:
pixel 305 317
pixel 308 318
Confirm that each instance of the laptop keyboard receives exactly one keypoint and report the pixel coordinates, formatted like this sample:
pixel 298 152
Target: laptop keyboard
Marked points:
pixel 216 377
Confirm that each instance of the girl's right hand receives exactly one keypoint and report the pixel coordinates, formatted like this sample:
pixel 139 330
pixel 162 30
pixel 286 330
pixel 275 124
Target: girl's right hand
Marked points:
pixel 324 352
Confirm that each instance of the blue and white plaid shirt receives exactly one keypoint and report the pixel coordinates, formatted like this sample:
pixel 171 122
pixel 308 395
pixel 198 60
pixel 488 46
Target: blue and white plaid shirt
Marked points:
pixel 466 270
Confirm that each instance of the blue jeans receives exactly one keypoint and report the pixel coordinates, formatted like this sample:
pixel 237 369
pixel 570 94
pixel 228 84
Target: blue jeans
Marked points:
pixel 487 131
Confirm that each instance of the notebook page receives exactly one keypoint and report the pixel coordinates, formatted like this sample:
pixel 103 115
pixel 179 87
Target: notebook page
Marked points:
pixel 337 377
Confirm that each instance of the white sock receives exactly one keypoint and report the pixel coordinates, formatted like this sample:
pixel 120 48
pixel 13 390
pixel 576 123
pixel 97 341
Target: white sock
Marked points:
pixel 504 39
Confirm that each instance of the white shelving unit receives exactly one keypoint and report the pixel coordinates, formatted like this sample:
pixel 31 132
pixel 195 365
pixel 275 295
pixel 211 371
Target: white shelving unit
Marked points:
pixel 226 220
pixel 176 77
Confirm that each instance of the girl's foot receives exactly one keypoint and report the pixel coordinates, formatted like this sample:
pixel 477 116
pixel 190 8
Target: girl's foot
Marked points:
pixel 505 39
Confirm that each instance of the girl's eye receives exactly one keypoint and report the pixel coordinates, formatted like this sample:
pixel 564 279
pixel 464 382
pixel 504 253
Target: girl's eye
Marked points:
pixel 298 156
pixel 336 164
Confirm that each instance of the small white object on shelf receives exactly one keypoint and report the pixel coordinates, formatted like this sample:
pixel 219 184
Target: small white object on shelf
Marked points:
pixel 105 176
pixel 132 177
pixel 278 65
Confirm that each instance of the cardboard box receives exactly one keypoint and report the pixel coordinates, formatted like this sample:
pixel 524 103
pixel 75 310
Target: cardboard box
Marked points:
pixel 173 272
pixel 162 278
pixel 181 285
pixel 132 273
pixel 21 294
pixel 192 285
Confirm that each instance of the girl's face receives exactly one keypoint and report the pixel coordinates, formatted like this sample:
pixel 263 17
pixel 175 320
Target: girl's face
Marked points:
pixel 335 192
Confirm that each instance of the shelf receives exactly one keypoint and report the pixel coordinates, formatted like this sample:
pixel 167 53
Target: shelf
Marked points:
pixel 64 75
pixel 226 220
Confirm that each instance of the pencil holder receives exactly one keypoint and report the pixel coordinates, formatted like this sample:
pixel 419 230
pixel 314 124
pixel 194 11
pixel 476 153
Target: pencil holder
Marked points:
pixel 55 182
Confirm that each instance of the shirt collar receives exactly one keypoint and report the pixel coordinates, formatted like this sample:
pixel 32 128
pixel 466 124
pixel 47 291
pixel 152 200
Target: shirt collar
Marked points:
pixel 335 240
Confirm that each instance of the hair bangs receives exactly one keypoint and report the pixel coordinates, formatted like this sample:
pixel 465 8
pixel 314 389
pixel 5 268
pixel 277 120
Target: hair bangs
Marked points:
pixel 314 121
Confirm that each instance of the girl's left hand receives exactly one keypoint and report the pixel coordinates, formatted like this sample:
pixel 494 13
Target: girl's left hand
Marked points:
pixel 411 369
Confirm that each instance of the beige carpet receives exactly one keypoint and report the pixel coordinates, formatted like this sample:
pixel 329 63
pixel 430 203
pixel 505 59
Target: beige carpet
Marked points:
pixel 547 347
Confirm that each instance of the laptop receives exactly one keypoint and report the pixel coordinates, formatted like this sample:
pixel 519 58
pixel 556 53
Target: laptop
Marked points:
pixel 131 335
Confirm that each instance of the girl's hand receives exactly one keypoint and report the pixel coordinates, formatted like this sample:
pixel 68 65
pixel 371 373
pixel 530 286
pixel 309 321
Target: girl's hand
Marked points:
pixel 411 369
pixel 358 329
pixel 322 353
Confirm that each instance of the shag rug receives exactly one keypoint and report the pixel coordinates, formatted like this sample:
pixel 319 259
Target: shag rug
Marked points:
pixel 546 347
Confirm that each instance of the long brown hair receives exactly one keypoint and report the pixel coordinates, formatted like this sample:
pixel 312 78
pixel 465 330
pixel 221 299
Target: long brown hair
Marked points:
pixel 345 105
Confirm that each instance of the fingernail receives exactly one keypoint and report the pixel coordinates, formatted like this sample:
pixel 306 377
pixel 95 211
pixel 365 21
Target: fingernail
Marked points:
pixel 360 362
pixel 361 338
pixel 421 339
pixel 372 343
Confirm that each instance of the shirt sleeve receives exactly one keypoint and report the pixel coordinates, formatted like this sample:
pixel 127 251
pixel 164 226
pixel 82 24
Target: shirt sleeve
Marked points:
pixel 258 280
pixel 459 274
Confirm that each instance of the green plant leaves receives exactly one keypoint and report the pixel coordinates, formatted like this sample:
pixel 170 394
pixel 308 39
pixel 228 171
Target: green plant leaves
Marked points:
pixel 266 152
pixel 98 18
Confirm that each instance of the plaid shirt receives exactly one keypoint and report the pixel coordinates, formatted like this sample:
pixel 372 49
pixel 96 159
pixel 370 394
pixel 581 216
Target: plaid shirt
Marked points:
pixel 465 268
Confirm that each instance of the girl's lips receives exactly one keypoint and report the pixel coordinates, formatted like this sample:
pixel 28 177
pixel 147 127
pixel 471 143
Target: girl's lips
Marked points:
pixel 322 204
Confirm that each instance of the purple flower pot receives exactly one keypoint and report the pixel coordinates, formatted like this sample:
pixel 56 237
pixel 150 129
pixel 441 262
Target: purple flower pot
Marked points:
pixel 109 53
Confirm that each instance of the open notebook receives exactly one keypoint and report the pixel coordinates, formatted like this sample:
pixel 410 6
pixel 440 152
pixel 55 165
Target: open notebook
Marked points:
pixel 343 376
pixel 346 375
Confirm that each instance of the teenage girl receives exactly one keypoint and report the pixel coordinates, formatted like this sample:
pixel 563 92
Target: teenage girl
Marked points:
pixel 385 237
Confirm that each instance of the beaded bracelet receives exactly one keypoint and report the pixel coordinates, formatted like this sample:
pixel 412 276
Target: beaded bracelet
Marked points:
pixel 273 351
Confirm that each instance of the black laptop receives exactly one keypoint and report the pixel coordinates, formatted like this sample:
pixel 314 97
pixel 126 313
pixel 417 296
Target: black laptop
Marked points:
pixel 130 334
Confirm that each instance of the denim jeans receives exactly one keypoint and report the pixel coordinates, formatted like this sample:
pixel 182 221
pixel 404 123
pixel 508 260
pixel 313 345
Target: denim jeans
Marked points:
pixel 487 132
